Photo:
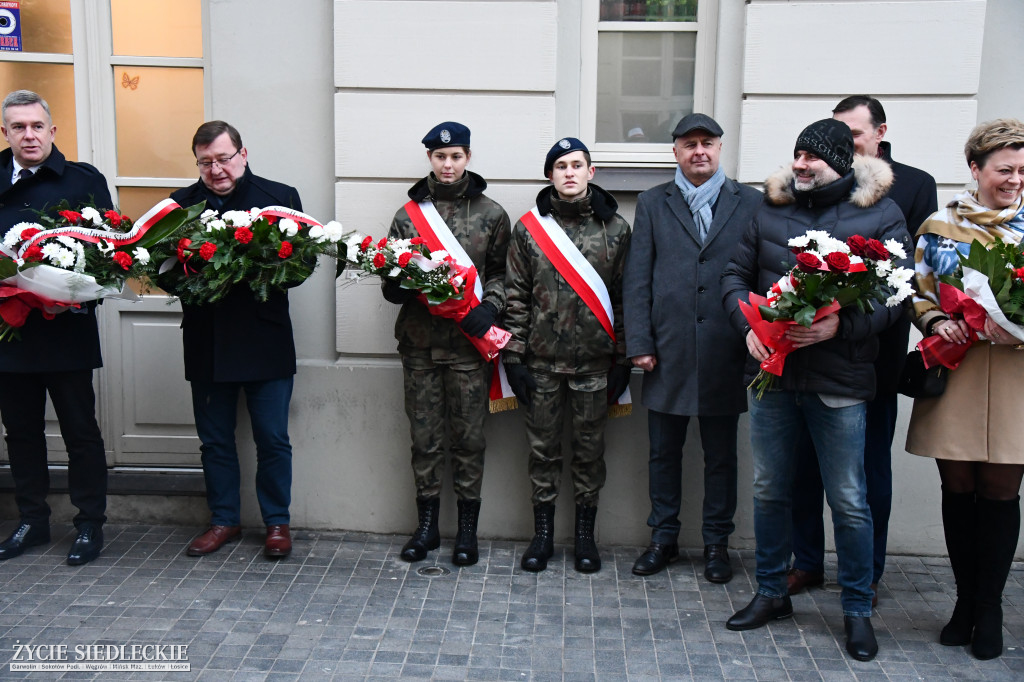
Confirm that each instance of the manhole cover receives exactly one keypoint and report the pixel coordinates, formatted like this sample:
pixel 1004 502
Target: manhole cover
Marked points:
pixel 433 571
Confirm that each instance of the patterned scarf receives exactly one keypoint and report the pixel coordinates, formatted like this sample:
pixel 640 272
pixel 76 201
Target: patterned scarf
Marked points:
pixel 701 198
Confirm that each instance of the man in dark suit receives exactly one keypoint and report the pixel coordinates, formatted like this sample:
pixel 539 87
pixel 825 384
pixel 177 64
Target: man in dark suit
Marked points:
pixel 55 357
pixel 913 190
pixel 239 344
pixel 678 333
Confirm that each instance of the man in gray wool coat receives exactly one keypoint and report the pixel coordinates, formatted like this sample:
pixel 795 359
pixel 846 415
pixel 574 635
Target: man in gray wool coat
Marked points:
pixel 678 333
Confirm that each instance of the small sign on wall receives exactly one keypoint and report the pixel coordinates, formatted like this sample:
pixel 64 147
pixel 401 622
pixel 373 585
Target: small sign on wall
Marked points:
pixel 10 26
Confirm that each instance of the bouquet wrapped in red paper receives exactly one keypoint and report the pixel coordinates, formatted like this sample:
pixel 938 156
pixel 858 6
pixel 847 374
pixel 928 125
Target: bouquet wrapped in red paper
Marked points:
pixel 829 275
pixel 448 289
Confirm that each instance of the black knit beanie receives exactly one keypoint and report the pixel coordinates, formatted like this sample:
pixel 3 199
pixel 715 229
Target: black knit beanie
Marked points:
pixel 831 141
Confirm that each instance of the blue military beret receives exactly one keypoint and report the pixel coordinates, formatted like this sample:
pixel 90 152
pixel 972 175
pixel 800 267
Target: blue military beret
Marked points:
pixel 566 145
pixel 447 134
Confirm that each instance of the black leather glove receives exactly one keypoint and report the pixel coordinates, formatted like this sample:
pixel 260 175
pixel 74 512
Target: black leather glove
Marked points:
pixel 478 320
pixel 521 382
pixel 618 382
pixel 394 293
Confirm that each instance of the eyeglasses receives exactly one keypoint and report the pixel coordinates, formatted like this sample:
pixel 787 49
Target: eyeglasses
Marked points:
pixel 223 161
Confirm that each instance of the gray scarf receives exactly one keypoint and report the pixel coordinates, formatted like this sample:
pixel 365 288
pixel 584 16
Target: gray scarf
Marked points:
pixel 701 199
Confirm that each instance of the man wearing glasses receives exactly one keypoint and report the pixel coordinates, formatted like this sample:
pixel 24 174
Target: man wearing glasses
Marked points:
pixel 239 344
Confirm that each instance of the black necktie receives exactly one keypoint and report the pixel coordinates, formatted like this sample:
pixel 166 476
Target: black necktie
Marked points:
pixel 24 173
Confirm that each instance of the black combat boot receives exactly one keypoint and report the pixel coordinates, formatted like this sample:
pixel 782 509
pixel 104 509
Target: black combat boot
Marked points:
pixel 959 524
pixel 425 537
pixel 587 558
pixel 542 547
pixel 998 530
pixel 465 552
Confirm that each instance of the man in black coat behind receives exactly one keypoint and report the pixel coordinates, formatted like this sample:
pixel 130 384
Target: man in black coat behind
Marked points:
pixel 237 344
pixel 54 356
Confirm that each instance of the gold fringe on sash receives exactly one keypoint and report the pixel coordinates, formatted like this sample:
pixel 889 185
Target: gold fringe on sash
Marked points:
pixel 620 410
pixel 504 404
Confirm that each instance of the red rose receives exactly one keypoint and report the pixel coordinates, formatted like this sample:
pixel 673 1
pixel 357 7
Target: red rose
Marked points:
pixel 33 253
pixel 417 240
pixel 404 259
pixel 365 244
pixel 838 261
pixel 858 245
pixel 285 250
pixel 207 250
pixel 875 250
pixel 122 259
pixel 71 216
pixel 114 217
pixel 808 262
pixel 382 243
pixel 183 245
pixel 29 232
pixel 243 234
pixel 379 260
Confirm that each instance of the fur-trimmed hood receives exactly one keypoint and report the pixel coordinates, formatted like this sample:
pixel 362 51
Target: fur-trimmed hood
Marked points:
pixel 872 180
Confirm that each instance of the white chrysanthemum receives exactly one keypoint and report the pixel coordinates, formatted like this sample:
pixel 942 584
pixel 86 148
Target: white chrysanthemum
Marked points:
pixel 895 248
pixel 333 231
pixel 883 267
pixel 58 255
pixel 899 277
pixel 91 215
pixel 288 227
pixel 13 235
pixel 76 248
pixel 799 242
pixel 237 218
pixel 141 255
pixel 216 225
pixel 903 292
pixel 208 215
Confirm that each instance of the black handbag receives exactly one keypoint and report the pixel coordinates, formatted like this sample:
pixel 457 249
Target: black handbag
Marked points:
pixel 918 381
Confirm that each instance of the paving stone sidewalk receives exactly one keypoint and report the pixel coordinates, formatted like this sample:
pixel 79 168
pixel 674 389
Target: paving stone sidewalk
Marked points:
pixel 344 607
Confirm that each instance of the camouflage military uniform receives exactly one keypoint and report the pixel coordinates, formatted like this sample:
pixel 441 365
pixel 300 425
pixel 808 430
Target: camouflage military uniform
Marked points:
pixel 446 379
pixel 561 341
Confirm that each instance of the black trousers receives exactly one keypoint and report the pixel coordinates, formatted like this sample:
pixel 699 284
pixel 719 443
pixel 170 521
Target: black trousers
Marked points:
pixel 23 410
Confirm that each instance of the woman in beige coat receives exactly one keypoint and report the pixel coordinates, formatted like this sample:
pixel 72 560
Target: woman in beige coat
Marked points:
pixel 974 430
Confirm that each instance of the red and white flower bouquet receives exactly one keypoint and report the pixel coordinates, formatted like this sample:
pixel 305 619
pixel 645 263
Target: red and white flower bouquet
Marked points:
pixel 829 274
pixel 440 282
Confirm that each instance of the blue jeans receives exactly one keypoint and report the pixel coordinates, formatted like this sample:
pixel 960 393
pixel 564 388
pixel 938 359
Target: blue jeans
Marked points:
pixel 808 523
pixel 776 424
pixel 215 406
pixel 667 434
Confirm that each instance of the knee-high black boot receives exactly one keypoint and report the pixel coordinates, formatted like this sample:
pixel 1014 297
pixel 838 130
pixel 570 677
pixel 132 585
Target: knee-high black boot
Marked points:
pixel 536 556
pixel 959 524
pixel 998 531
pixel 465 552
pixel 426 536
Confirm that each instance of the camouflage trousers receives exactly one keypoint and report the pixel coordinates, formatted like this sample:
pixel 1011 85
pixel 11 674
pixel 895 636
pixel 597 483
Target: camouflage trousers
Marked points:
pixel 587 399
pixel 450 398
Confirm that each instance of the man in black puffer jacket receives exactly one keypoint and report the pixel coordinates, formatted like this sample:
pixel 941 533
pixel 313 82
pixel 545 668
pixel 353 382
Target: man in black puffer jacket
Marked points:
pixel 827 379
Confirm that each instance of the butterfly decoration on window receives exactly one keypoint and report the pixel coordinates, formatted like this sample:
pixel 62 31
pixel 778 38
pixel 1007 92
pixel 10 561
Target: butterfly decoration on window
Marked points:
pixel 127 82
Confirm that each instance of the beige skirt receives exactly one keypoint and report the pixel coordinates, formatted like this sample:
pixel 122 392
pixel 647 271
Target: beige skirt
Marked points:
pixel 980 417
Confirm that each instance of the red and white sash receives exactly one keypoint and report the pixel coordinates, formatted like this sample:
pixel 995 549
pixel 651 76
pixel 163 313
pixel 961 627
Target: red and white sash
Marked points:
pixel 431 226
pixel 575 269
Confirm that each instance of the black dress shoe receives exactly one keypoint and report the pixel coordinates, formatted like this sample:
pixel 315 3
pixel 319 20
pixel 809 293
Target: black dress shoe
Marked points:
pixel 655 558
pixel 760 611
pixel 717 568
pixel 86 546
pixel 24 536
pixel 860 637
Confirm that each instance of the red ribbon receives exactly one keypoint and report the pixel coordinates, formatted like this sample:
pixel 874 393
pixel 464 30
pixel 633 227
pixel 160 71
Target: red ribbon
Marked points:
pixel 773 334
pixel 938 351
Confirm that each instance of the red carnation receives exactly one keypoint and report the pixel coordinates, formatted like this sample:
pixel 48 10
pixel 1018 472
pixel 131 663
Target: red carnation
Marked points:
pixel 122 259
pixel 30 232
pixel 285 250
pixel 243 234
pixel 382 243
pixel 271 219
pixel 379 260
pixel 365 244
pixel 875 250
pixel 1019 273
pixel 808 262
pixel 838 261
pixel 114 217
pixel 404 259
pixel 72 217
pixel 33 253
pixel 417 240
pixel 858 245
pixel 183 244
pixel 207 250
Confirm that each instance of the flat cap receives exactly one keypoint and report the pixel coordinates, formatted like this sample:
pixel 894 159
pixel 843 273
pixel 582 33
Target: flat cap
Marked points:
pixel 696 121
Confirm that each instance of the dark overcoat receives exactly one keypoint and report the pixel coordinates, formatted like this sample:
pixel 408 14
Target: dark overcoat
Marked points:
pixel 239 338
pixel 672 301
pixel 70 341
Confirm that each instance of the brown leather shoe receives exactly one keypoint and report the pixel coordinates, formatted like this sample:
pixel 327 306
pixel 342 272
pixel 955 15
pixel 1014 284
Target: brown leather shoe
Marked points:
pixel 797 580
pixel 213 539
pixel 279 542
